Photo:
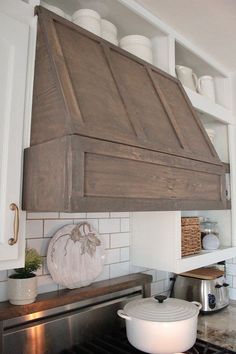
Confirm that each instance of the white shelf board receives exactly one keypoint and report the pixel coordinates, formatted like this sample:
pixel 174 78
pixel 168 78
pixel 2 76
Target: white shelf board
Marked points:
pixel 204 258
pixel 205 105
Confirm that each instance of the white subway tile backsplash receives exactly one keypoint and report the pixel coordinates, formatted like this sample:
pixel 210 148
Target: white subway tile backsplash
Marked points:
pixel 34 228
pixel 3 275
pixel 112 256
pixel 120 240
pixel 232 293
pixel 97 215
pixel 119 269
pixel 137 269
pixel 40 244
pixel 45 284
pixel 72 215
pixel 109 225
pixel 124 254
pixel 161 275
pixel 42 216
pixel 157 288
pixel 153 273
pixel 92 222
pixel 105 238
pixel 234 282
pixel 229 261
pixel 120 215
pixel 231 269
pixel 45 267
pixel 3 291
pixel 105 274
pixel 51 226
pixel 124 225
pixel 229 280
pixel 114 230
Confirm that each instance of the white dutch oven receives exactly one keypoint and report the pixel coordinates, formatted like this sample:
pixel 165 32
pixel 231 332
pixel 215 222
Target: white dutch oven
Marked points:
pixel 161 325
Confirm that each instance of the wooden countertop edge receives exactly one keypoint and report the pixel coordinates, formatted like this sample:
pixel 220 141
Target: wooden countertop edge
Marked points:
pixel 63 297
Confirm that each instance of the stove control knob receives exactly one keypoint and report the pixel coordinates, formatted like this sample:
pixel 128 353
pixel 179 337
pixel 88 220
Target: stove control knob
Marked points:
pixel 218 286
pixel 211 301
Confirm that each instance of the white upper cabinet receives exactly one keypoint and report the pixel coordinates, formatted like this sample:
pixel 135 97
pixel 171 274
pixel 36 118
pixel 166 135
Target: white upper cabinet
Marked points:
pixel 15 88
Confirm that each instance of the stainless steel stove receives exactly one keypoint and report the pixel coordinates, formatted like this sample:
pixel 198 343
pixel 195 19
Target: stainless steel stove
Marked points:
pixel 89 326
pixel 117 343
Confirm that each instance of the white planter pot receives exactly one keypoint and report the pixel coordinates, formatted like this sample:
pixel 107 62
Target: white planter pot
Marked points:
pixel 22 291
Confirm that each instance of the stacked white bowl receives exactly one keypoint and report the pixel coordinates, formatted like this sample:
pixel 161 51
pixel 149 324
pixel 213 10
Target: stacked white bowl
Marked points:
pixel 109 31
pixel 88 19
pixel 138 45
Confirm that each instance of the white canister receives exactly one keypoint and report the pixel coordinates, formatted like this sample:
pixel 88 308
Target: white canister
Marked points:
pixel 88 19
pixel 210 242
pixel 140 46
pixel 109 31
pixel 187 77
pixel 206 87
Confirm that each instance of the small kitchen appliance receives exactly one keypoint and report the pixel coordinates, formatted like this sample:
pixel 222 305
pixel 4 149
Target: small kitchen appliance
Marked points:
pixel 205 285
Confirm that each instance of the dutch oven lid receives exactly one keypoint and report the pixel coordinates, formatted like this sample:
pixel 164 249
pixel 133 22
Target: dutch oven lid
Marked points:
pixel 161 309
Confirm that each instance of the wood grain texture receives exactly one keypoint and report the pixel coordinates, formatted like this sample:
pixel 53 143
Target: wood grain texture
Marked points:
pixel 111 132
pixel 118 97
pixel 63 297
pixel 92 175
pixel 204 273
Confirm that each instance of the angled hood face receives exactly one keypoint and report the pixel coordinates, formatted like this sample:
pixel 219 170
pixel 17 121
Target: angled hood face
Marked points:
pixel 128 136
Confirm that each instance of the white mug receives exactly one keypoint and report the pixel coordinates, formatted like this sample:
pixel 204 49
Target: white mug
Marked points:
pixel 186 77
pixel 206 87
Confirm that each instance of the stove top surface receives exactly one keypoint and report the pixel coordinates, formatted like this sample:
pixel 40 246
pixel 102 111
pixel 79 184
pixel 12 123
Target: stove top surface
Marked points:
pixel 117 343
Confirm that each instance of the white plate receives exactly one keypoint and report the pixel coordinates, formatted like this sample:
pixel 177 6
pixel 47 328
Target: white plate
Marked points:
pixel 74 259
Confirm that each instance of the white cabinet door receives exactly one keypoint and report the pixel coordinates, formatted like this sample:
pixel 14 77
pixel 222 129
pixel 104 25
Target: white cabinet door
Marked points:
pixel 14 39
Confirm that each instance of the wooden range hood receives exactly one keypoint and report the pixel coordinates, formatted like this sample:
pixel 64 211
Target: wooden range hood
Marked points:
pixel 111 132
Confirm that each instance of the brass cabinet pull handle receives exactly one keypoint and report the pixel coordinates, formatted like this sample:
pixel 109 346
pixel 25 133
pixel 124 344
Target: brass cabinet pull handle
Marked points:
pixel 14 239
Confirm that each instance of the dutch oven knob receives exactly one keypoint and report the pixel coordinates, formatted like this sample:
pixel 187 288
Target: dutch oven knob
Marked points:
pixel 160 298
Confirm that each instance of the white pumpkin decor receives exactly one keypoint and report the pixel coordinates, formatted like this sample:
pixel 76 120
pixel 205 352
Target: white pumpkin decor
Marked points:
pixel 75 255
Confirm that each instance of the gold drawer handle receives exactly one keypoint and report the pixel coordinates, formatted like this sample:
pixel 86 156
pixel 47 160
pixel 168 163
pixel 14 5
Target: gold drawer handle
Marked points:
pixel 14 239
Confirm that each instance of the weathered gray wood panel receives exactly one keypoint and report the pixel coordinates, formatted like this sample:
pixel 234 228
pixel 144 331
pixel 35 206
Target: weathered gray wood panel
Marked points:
pixel 75 173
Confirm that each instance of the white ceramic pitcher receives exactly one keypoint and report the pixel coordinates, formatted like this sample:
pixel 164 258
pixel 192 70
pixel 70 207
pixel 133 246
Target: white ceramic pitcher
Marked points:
pixel 187 77
pixel 206 87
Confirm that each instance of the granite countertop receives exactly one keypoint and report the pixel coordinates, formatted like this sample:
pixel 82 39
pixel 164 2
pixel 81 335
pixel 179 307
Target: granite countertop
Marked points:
pixel 219 328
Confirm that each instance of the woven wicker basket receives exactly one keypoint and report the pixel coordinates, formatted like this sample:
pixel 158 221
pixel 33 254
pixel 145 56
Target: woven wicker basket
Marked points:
pixel 190 236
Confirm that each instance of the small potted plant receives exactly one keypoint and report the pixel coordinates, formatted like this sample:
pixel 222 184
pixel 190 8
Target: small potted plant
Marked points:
pixel 22 285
